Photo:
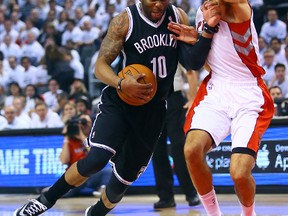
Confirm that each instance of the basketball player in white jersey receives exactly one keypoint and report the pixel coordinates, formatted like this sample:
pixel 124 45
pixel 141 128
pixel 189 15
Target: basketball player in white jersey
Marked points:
pixel 232 99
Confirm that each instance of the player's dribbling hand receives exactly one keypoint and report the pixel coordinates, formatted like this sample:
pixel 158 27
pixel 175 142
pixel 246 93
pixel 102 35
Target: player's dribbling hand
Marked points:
pixel 132 88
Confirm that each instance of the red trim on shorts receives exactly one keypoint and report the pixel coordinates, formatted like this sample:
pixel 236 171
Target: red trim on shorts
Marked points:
pixel 202 91
pixel 264 118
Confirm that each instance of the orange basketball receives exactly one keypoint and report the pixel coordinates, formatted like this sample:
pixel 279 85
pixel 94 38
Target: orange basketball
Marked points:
pixel 132 70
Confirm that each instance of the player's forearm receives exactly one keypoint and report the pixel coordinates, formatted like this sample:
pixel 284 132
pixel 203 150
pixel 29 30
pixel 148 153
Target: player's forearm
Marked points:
pixel 105 74
pixel 194 56
pixel 65 154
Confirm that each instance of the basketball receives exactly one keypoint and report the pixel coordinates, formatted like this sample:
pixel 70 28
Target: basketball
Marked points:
pixel 132 70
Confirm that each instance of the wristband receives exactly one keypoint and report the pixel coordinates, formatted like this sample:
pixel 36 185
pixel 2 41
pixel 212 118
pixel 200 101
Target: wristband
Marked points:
pixel 211 30
pixel 119 84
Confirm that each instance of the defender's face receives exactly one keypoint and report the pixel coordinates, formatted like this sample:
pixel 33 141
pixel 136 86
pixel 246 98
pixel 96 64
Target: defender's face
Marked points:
pixel 154 10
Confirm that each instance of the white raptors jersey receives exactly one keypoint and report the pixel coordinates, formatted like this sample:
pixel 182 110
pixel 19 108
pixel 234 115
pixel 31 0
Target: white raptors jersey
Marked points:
pixel 234 52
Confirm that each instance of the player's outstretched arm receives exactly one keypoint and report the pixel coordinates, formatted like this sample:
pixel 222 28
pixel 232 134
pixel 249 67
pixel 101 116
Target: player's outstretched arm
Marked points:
pixel 194 56
pixel 187 34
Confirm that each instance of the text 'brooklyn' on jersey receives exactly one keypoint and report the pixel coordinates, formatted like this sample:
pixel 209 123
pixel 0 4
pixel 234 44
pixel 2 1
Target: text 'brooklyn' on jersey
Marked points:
pixel 151 44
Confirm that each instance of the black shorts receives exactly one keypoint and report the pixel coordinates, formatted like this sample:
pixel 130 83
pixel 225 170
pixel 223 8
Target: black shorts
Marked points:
pixel 129 132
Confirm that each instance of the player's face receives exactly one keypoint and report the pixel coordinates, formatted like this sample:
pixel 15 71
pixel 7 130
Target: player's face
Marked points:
pixel 153 9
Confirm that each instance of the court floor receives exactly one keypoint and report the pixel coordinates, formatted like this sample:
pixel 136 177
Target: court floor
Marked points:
pixel 266 204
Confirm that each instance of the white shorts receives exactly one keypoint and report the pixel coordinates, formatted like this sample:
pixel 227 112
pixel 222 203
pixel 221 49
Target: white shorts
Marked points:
pixel 243 109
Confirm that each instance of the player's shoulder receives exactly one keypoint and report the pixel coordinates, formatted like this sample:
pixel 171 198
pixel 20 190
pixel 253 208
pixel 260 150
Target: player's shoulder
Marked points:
pixel 120 22
pixel 122 16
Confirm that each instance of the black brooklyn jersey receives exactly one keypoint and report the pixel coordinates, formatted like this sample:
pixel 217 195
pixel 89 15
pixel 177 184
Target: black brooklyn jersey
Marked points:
pixel 151 44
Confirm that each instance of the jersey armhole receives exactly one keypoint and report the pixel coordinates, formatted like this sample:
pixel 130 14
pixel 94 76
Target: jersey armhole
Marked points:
pixel 176 13
pixel 130 28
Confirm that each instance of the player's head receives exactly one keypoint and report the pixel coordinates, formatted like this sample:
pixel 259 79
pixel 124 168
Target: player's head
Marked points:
pixel 275 92
pixel 154 10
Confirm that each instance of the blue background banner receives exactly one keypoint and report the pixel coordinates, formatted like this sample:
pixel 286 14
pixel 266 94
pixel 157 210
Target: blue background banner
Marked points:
pixel 33 161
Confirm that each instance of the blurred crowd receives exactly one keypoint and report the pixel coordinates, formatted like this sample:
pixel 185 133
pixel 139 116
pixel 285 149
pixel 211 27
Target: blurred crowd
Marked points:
pixel 48 49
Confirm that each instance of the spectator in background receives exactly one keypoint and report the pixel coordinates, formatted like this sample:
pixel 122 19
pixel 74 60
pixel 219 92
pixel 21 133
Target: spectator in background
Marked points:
pixel 269 66
pixel 78 90
pixel 51 17
pixel 29 76
pixel 50 97
pixel 32 97
pixel 14 90
pixel 69 111
pixel 17 24
pixel 120 5
pixel 273 27
pixel 280 79
pixel 2 98
pixel 83 105
pixel 42 77
pixel 16 8
pixel 10 48
pixel 190 11
pixel 104 15
pixel 19 104
pixel 76 66
pixel 33 49
pixel 275 92
pixel 42 8
pixel 86 4
pixel 15 70
pixel 4 9
pixel 79 16
pixel 54 7
pixel 90 33
pixel 8 30
pixel 72 32
pixel 35 19
pixel 26 9
pixel 280 103
pixel 29 27
pixel 49 31
pixel 68 7
pixel 62 99
pixel 262 47
pixel 72 47
pixel 276 45
pixel 62 21
pixel 59 66
pixel 44 117
pixel 4 75
pixel 12 121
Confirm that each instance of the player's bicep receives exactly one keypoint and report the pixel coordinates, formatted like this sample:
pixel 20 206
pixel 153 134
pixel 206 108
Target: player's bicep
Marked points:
pixel 114 39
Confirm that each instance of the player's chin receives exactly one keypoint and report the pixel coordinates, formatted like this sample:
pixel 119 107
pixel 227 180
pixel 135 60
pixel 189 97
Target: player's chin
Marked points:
pixel 156 16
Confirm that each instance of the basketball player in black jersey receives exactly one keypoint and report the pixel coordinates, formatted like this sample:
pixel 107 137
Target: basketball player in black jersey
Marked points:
pixel 123 134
